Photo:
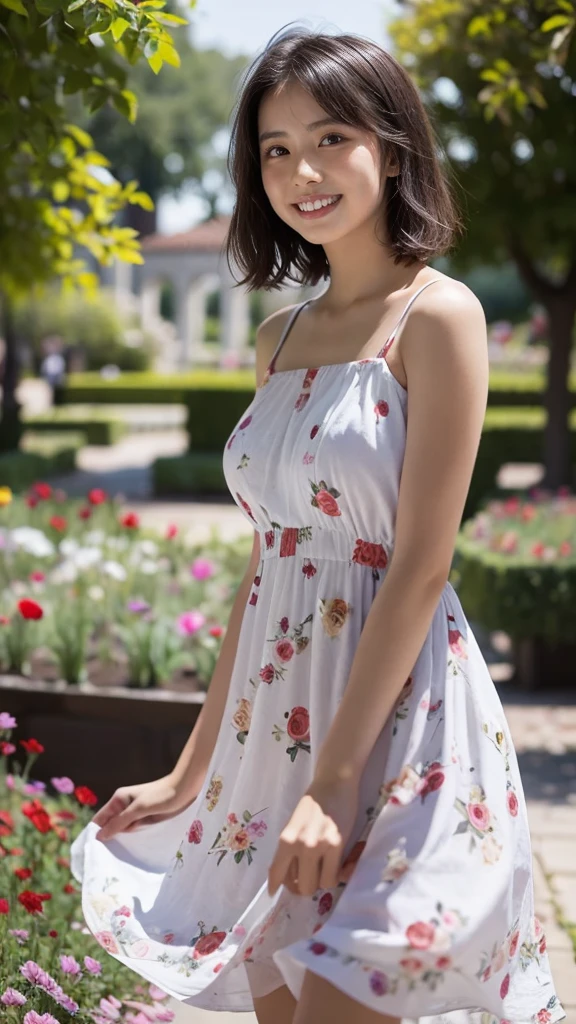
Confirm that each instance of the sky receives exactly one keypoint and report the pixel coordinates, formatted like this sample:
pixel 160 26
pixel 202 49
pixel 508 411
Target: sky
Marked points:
pixel 245 26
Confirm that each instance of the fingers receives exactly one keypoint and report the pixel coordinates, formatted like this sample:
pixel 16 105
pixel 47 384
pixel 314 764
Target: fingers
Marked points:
pixel 116 815
pixel 305 865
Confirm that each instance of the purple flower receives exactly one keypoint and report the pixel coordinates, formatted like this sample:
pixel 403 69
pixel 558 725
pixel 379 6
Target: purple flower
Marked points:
pixel 20 934
pixel 138 606
pixel 157 993
pixel 92 966
pixel 33 972
pixel 12 997
pixel 190 622
pixel 32 1017
pixel 7 721
pixel 202 569
pixel 69 965
pixel 256 828
pixel 35 786
pixel 110 1011
pixel 62 784
pixel 379 983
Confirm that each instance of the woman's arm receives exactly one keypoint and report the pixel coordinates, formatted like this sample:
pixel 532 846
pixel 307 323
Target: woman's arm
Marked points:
pixel 445 356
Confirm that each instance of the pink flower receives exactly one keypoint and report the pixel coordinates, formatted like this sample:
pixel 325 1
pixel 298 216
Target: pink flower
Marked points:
pixel 256 828
pixel 267 673
pixel 479 816
pixel 513 944
pixel 32 1017
pixel 420 935
pixel 92 966
pixel 504 987
pixel 7 721
pixel 284 649
pixel 12 997
pixel 512 802
pixel 318 948
pixel 195 831
pixel 543 1016
pixel 443 963
pixel 157 993
pixel 190 622
pixel 325 903
pixel 62 784
pixel 412 965
pixel 69 965
pixel 202 569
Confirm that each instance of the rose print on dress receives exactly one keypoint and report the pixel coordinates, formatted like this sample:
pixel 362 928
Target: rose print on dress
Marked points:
pixel 288 642
pixel 381 409
pixel 412 782
pixel 237 837
pixel 397 862
pixel 309 569
pixel 500 955
pixel 241 719
pixel 479 824
pixel 335 613
pixel 206 942
pixel 245 506
pixel 456 643
pixel 195 832
pixel 214 790
pixel 370 554
pixel 324 498
pixel 298 730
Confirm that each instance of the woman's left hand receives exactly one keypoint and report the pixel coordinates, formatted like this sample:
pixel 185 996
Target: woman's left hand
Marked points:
pixel 310 847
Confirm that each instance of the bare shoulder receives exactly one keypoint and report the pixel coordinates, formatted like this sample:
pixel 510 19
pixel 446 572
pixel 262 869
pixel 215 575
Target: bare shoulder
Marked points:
pixel 444 336
pixel 267 337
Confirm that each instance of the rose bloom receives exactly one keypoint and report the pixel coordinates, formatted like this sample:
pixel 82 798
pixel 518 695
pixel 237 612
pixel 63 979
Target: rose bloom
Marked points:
pixel 97 496
pixel 335 615
pixel 195 832
pixel 298 726
pixel 512 800
pixel 513 944
pixel 130 520
pixel 369 554
pixel 240 840
pixel 58 523
pixel 479 815
pixel 284 649
pixel 421 934
pixel 242 716
pixel 267 673
pixel 30 609
pixel 412 965
pixel 327 503
pixel 207 944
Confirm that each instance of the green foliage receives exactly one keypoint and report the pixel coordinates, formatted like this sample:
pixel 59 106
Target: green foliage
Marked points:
pixel 53 195
pixel 39 459
pixel 193 473
pixel 97 427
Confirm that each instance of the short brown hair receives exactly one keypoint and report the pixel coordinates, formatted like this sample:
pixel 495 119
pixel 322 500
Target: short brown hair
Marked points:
pixel 358 83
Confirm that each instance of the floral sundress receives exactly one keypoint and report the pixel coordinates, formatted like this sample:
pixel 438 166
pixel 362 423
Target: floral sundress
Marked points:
pixel 437 919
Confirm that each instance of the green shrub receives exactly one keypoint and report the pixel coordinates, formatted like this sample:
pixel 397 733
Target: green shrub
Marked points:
pixel 515 566
pixel 98 427
pixel 144 388
pixel 39 458
pixel 193 473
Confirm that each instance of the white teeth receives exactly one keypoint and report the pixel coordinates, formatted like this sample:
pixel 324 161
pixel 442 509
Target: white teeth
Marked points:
pixel 317 204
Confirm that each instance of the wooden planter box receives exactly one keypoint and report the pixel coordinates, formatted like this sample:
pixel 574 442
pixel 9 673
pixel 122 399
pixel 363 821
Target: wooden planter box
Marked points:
pixel 101 737
pixel 539 665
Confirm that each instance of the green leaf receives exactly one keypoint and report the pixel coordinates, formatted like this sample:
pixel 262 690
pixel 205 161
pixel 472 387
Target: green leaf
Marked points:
pixel 15 5
pixel 169 54
pixel 74 6
pixel 479 26
pixel 157 4
pixel 118 28
pixel 169 19
pixel 558 21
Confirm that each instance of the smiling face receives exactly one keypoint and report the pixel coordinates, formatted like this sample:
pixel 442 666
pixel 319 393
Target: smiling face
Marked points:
pixel 326 160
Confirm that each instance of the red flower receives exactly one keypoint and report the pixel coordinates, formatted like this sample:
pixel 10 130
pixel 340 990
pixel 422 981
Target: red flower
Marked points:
pixel 253 599
pixel 504 987
pixel 32 901
pixel 171 531
pixel 37 815
pixel 42 490
pixel 537 549
pixel 327 503
pixel 84 795
pixel 325 903
pixel 269 538
pixel 32 501
pixel 97 496
pixel 53 934
pixel 30 609
pixel 432 781
pixel 512 800
pixel 298 727
pixel 208 943
pixel 6 823
pixel 63 862
pixel 318 948
pixel 267 673
pixel 314 431
pixel 195 831
pixel 310 375
pixel 381 409
pixel 284 624
pixel 420 935
pixel 58 523
pixel 23 873
pixel 4 906
pixel 65 815
pixel 32 746
pixel 6 748
pixel 37 576
pixel 85 512
pixel 565 548
pixel 69 888
pixel 130 520
pixel 309 569
pixel 543 1016
pixel 366 553
pixel 216 630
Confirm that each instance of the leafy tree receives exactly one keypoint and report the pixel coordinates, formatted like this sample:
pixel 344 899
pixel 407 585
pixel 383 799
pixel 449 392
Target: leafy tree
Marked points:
pixel 503 102
pixel 54 200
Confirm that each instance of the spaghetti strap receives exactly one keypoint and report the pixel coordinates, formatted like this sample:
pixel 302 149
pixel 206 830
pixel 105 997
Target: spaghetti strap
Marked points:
pixel 286 330
pixel 388 343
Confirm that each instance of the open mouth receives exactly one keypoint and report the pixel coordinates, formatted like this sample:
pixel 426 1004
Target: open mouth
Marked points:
pixel 321 211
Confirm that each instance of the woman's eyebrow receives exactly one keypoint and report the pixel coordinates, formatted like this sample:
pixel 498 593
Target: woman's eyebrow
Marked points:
pixel 309 128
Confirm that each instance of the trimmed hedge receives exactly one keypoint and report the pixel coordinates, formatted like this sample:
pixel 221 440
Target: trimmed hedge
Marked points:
pixel 193 473
pixel 39 458
pixel 98 427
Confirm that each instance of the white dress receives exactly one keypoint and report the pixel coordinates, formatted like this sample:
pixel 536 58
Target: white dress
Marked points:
pixel 438 915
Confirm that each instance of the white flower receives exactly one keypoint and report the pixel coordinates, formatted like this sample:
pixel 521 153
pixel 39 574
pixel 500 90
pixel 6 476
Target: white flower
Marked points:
pixel 148 567
pixel 95 537
pixel 86 557
pixel 33 541
pixel 64 573
pixel 118 543
pixel 96 593
pixel 69 546
pixel 148 547
pixel 115 570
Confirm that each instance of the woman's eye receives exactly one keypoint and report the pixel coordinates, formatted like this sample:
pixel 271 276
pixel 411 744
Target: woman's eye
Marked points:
pixel 331 135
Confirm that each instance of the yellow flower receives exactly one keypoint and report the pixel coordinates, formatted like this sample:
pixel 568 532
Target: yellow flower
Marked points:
pixel 5 496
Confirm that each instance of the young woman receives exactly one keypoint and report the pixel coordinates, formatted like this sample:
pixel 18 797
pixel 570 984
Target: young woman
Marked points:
pixel 344 837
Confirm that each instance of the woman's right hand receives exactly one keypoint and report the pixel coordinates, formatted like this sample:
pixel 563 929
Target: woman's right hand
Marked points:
pixel 133 807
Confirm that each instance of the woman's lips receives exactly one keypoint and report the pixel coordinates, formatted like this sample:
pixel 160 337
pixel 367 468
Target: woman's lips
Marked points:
pixel 313 214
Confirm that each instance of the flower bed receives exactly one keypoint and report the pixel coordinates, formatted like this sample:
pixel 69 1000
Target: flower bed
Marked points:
pixel 87 595
pixel 52 969
pixel 515 570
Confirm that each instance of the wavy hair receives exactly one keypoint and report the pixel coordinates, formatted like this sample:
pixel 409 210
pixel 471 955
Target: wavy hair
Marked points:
pixel 358 83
